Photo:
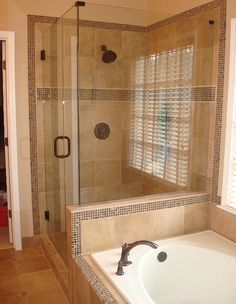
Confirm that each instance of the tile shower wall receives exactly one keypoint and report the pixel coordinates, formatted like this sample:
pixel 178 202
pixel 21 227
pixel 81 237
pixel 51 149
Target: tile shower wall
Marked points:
pixel 102 174
pixel 195 31
pixel 111 155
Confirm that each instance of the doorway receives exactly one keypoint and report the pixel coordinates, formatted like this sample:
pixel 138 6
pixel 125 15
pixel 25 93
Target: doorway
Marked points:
pixel 5 210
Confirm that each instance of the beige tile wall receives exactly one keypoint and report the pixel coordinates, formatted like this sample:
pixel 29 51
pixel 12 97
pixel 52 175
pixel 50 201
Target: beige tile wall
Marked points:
pixel 105 158
pixel 223 222
pixel 205 73
pixel 115 231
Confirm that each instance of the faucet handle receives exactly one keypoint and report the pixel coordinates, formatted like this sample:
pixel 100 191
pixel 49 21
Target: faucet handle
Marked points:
pixel 125 254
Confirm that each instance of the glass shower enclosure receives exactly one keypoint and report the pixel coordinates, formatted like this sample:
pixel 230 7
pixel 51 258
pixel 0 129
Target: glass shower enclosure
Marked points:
pixel 128 111
pixel 61 130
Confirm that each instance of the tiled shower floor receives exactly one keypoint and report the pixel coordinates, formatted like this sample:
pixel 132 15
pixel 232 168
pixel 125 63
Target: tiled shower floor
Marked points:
pixel 26 278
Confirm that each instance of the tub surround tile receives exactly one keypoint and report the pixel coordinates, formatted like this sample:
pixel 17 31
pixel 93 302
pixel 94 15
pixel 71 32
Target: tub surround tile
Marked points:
pixel 167 223
pixel 157 224
pixel 223 222
pixel 128 229
pixel 196 217
pixel 93 286
pixel 94 241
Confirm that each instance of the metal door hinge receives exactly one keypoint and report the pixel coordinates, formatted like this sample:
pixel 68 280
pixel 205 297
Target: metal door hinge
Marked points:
pixel 43 55
pixel 10 214
pixel 6 141
pixel 79 3
pixel 4 65
pixel 47 218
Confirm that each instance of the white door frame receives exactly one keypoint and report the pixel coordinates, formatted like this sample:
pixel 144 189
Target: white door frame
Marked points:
pixel 7 164
pixel 9 37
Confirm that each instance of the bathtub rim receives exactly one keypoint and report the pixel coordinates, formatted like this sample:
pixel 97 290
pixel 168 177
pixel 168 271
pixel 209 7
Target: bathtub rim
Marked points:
pixel 143 250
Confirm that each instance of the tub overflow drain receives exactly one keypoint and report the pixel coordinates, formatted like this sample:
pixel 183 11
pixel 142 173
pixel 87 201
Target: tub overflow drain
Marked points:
pixel 162 256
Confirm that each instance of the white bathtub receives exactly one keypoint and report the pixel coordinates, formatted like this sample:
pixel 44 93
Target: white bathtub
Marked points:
pixel 200 269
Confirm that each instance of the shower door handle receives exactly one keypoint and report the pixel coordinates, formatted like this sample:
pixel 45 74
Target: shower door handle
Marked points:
pixel 56 147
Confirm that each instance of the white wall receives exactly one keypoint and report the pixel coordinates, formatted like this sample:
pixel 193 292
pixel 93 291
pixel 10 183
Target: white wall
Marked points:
pixel 12 18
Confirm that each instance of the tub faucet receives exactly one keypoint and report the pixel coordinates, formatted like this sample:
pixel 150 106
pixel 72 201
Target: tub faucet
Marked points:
pixel 126 248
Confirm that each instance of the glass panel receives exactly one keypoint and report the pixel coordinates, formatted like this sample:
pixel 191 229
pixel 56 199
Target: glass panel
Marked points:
pixel 149 89
pixel 60 124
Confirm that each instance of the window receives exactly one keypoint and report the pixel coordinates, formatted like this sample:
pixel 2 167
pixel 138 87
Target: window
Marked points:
pixel 161 115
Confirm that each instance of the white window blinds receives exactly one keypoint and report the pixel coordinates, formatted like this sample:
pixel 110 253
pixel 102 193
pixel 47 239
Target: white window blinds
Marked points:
pixel 161 115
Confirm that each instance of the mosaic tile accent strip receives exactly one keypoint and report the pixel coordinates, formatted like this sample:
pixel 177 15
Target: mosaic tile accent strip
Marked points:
pixel 219 104
pixel 112 26
pixel 132 208
pixel 172 94
pixel 32 115
pixel 105 25
pixel 102 292
pixel 179 17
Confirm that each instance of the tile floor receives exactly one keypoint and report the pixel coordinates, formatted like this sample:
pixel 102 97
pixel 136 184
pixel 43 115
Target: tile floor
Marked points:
pixel 26 278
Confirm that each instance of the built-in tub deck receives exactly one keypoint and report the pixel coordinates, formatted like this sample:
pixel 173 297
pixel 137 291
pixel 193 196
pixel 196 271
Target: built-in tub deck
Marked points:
pixel 200 269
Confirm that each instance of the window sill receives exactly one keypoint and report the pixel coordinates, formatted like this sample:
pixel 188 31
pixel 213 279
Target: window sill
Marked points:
pixel 228 209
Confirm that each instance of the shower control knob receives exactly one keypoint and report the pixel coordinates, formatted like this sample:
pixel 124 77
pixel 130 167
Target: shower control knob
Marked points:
pixel 102 131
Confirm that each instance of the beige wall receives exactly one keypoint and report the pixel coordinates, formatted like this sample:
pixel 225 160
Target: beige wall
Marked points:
pixel 172 6
pixel 13 17
pixel 159 9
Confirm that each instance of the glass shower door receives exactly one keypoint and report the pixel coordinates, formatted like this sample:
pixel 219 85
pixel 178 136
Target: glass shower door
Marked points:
pixel 60 125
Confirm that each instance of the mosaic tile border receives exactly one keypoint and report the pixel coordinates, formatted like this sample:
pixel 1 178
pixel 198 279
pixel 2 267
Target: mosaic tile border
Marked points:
pixel 183 93
pixel 127 209
pixel 219 103
pixel 106 25
pixel 102 292
pixel 113 26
